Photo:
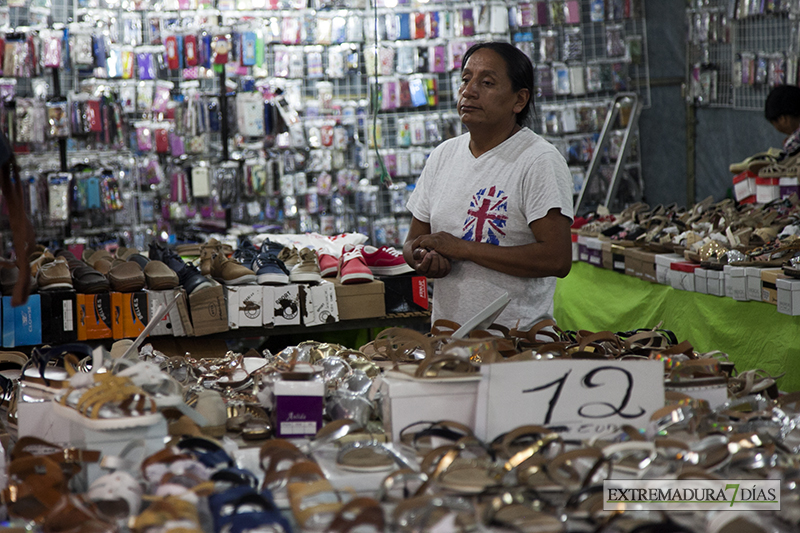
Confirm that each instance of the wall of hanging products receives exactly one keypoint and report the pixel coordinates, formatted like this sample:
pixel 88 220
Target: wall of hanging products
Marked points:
pixel 331 107
pixel 740 49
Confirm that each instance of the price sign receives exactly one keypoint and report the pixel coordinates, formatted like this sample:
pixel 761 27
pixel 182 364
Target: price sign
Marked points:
pixel 577 398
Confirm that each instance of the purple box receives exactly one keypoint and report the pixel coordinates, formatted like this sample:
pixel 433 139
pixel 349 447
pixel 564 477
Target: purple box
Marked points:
pixel 788 190
pixel 298 408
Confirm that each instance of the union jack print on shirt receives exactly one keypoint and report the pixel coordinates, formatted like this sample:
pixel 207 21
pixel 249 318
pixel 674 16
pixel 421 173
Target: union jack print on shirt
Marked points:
pixel 487 216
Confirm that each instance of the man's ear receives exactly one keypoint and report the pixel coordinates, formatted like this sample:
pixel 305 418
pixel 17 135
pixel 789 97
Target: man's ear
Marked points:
pixel 523 95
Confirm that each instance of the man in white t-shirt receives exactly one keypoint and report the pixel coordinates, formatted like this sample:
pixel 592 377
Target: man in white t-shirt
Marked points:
pixel 493 208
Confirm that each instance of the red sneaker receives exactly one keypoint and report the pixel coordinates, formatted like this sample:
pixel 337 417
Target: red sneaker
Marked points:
pixel 385 261
pixel 328 264
pixel 352 268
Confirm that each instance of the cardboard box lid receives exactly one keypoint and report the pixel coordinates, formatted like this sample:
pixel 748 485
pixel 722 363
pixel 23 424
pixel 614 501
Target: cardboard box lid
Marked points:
pixel 593 243
pixel 667 259
pixel 684 266
pixel 788 284
pixel 358 289
pixel 753 271
pixel 408 388
pixel 771 275
pixel 744 175
pixel 768 181
pixel 733 271
pixel 789 182
pixel 647 257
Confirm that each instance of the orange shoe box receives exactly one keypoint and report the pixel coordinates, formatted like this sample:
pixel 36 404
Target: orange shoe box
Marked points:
pixel 94 316
pixel 130 312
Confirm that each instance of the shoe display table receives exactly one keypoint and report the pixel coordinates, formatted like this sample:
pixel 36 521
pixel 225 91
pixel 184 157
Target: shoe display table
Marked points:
pixel 753 334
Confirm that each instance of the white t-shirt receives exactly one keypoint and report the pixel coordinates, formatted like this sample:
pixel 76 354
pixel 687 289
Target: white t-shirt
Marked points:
pixel 492 199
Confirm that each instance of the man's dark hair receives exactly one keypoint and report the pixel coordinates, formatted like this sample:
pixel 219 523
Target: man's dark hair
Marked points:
pixel 519 69
pixel 782 100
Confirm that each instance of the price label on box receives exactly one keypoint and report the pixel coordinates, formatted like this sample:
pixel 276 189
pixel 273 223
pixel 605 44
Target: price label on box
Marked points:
pixel 577 398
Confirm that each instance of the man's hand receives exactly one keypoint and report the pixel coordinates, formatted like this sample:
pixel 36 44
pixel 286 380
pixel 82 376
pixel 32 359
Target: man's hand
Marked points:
pixel 430 263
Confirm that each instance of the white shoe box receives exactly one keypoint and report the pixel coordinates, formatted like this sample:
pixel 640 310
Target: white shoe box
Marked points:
pixel 663 261
pixel 735 282
pixel 319 304
pixel 701 280
pixel 285 305
pixel 408 401
pixel 753 275
pixel 788 296
pixel 715 282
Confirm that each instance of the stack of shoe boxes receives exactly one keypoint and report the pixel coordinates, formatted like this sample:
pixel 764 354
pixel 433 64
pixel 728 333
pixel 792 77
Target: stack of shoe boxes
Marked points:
pixel 23 325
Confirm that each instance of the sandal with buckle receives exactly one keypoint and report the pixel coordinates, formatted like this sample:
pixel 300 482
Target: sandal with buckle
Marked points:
pixel 313 500
pixel 359 514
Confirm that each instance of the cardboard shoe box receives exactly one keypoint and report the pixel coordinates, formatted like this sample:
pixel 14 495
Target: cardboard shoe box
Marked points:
pixel 769 287
pixel 130 314
pixel 735 282
pixel 94 316
pixel 633 264
pixel 286 309
pixel 176 322
pixel 60 310
pixel 647 265
pixel 360 300
pixel 663 261
pixel 788 296
pixel 405 294
pixel 22 325
pixel 208 310
pixel 318 304
pixel 753 277
pixel 249 306
pixel 681 275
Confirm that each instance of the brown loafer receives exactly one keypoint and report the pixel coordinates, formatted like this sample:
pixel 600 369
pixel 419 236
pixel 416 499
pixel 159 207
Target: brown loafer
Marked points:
pixel 126 277
pixel 54 275
pixel 159 276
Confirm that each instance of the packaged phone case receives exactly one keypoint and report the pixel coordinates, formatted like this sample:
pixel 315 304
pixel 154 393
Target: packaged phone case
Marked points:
pixel 161 136
pixel 171 45
pixel 201 181
pixel 58 189
pixel 57 120
pixel 51 48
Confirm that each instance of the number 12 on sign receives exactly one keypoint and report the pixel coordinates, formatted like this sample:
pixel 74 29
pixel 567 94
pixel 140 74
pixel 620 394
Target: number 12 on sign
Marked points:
pixel 579 398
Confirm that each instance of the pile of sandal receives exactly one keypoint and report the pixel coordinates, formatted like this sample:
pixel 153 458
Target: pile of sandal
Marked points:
pixel 437 477
pixel 711 234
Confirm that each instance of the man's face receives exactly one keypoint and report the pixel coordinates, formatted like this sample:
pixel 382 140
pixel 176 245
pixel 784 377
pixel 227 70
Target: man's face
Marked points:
pixel 783 124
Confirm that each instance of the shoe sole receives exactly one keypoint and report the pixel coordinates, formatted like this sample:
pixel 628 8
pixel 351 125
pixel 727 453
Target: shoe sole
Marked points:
pixel 395 270
pixel 55 286
pixel 128 286
pixel 247 279
pixel 359 277
pixel 305 277
pixel 163 284
pixel 267 279
pixel 106 423
pixel 329 272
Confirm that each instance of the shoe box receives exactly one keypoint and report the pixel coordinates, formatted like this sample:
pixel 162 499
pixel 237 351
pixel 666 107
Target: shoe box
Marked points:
pixel 769 287
pixel 681 275
pixel 744 187
pixel 788 296
pixel 318 304
pixel 735 282
pixel 130 312
pixel 613 257
pixel 249 306
pixel 286 307
pixel 95 316
pixel 590 250
pixel 663 261
pixel 640 264
pixel 23 325
pixel 298 407
pixel 360 300
pixel 406 402
pixel 208 310
pixel 407 293
pixel 176 322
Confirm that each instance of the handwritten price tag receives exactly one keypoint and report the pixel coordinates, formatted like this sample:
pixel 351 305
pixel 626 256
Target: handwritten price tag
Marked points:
pixel 577 398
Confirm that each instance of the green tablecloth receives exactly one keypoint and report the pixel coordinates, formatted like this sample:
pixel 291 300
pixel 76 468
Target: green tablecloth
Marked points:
pixel 753 334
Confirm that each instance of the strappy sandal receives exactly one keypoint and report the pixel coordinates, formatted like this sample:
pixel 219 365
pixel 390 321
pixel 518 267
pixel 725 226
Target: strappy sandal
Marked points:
pixel 438 368
pixel 70 458
pixel 275 459
pixel 313 500
pixel 108 402
pixel 49 368
pixel 360 514
pixel 425 436
pixel 425 512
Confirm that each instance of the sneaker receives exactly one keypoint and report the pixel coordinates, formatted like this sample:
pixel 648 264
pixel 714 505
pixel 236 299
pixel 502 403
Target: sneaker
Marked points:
pixel 385 261
pixel 328 264
pixel 246 253
pixel 230 272
pixel 269 269
pixel 289 256
pixel 352 268
pixel 189 276
pixel 307 268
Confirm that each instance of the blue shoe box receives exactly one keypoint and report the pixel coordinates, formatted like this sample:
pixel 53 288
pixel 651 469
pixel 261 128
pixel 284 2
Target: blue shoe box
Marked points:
pixel 22 326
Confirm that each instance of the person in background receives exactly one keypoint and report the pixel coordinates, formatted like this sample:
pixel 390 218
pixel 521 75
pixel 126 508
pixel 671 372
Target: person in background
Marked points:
pixel 782 110
pixel 492 208
pixel 23 236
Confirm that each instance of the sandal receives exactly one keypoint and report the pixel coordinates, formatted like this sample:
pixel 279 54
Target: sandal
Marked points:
pixel 42 371
pixel 109 402
pixel 359 514
pixel 313 500
pixel 366 456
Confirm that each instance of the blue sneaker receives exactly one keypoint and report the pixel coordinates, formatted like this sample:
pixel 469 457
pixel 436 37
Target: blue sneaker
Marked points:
pixel 269 269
